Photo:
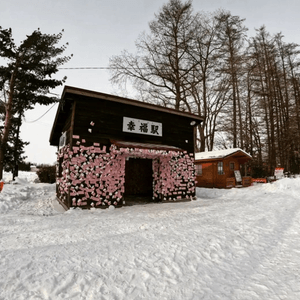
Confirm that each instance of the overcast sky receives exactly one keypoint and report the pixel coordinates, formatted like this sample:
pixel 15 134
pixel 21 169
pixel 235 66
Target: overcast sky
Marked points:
pixel 99 29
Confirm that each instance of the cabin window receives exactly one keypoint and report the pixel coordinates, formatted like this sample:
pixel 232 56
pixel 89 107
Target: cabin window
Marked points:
pixel 231 166
pixel 220 168
pixel 199 170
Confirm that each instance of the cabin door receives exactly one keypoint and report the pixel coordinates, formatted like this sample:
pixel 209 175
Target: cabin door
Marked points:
pixel 138 177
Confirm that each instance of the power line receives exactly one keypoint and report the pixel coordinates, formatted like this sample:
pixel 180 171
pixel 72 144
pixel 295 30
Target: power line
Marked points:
pixel 41 115
pixel 103 68
pixel 88 68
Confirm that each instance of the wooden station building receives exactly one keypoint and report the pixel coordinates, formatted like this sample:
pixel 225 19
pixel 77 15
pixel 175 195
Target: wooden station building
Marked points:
pixel 221 169
pixel 111 149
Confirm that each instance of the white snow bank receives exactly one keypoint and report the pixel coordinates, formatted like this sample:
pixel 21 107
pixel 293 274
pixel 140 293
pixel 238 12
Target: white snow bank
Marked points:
pixel 228 244
pixel 23 193
pixel 285 185
pixel 34 198
pixel 30 177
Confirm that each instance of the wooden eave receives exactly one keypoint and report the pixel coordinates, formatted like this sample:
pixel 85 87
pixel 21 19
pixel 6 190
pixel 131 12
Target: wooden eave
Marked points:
pixel 240 155
pixel 99 95
pixel 66 100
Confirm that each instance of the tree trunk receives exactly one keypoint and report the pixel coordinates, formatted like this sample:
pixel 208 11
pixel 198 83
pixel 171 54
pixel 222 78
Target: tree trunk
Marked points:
pixel 8 116
pixel 16 158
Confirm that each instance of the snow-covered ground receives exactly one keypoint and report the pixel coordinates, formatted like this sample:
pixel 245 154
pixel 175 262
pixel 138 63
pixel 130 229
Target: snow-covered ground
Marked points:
pixel 228 244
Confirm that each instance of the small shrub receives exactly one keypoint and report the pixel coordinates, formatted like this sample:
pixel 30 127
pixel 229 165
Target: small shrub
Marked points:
pixel 24 166
pixel 47 174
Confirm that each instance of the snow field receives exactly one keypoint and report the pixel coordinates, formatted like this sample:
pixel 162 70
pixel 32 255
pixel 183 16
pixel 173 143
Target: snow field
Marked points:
pixel 227 244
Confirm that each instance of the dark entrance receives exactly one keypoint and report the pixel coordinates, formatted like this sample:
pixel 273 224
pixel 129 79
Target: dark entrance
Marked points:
pixel 138 180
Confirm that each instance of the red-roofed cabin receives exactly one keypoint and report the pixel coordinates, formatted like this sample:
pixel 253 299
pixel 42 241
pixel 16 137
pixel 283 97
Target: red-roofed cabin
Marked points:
pixel 221 169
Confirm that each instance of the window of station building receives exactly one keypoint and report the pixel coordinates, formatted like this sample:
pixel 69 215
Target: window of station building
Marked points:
pixel 231 166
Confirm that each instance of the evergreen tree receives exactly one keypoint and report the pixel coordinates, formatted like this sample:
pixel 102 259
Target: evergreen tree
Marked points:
pixel 26 79
pixel 14 154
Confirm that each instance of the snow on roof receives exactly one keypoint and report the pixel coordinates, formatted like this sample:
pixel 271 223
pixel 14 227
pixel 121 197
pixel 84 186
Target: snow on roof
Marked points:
pixel 218 153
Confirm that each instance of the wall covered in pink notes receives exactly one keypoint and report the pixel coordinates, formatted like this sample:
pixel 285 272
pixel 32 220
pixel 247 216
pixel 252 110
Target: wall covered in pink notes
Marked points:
pixel 95 176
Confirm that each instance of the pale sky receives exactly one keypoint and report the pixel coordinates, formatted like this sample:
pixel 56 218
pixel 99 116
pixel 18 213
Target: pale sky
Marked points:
pixel 99 29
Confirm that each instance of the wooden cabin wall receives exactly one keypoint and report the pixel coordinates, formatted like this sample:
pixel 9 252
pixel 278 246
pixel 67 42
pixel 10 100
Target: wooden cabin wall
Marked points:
pixel 227 170
pixel 220 180
pixel 62 191
pixel 108 119
pixel 210 177
pixel 207 177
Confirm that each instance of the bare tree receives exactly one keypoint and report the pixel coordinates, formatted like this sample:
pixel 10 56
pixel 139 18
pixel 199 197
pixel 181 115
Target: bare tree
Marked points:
pixel 176 65
pixel 207 91
pixel 161 66
pixel 246 90
pixel 232 34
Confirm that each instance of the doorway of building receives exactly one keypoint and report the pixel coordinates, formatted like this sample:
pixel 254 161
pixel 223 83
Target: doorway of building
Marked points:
pixel 138 181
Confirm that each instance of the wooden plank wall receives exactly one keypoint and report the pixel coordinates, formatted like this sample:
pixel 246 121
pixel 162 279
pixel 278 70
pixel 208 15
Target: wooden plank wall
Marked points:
pixel 210 176
pixel 108 119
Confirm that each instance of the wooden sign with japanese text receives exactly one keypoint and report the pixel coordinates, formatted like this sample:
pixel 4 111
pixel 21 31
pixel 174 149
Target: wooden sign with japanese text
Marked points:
pixel 142 126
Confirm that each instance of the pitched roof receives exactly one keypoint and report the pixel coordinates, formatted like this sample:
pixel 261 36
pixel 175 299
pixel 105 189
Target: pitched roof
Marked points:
pixel 70 91
pixel 219 153
pixel 114 98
